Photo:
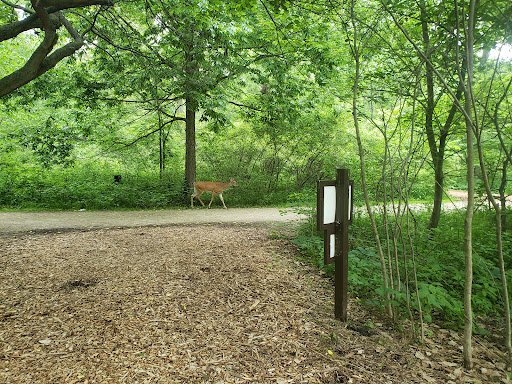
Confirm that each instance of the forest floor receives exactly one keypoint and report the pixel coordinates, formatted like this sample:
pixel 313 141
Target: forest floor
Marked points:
pixel 201 303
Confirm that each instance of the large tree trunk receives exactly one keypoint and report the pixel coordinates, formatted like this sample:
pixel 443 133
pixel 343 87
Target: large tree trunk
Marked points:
pixel 190 143
pixel 437 148
pixel 191 70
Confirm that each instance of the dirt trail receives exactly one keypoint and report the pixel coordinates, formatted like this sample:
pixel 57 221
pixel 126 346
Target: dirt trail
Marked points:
pixel 42 221
pixel 51 221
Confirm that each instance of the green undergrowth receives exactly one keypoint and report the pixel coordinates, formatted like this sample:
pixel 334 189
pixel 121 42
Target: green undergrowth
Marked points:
pixel 438 257
pixel 94 188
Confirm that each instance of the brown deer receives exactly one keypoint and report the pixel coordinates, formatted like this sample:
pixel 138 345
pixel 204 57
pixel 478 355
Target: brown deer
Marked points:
pixel 214 187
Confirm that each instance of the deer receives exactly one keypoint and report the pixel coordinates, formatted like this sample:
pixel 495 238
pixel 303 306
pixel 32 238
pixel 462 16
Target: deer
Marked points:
pixel 214 187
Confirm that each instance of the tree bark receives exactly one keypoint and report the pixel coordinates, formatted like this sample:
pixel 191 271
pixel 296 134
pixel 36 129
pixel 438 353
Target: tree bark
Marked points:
pixel 503 198
pixel 470 160
pixel 64 4
pixel 468 249
pixel 190 143
pixel 191 71
pixel 435 153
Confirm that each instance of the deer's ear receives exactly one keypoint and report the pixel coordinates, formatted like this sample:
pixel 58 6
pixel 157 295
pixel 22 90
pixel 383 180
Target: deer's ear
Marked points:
pixel 231 179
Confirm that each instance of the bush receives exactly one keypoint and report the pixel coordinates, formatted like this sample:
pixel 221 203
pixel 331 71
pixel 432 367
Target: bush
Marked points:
pixel 439 258
pixel 88 189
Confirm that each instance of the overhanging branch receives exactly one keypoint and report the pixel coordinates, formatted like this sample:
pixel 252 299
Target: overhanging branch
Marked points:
pixel 48 18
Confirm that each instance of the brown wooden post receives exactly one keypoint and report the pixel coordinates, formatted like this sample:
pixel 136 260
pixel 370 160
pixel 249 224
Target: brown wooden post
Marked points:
pixel 334 215
pixel 341 247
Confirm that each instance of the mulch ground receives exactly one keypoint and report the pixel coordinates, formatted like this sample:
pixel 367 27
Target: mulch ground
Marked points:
pixel 198 304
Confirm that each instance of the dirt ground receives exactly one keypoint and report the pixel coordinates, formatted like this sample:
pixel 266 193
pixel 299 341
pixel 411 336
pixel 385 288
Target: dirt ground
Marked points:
pixel 43 221
pixel 463 196
pixel 199 304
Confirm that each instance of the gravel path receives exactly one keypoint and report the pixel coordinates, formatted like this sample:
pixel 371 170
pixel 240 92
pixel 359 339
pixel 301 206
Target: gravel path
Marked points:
pixel 41 221
pixel 51 221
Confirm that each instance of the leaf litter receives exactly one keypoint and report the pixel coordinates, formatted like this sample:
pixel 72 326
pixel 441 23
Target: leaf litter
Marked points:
pixel 198 304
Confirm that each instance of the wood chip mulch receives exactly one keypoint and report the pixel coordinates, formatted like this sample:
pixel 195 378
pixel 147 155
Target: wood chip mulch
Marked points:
pixel 191 304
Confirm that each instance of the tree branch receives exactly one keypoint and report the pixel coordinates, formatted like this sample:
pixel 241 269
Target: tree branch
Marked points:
pixel 16 6
pixel 245 106
pixel 49 19
pixel 32 67
pixel 65 4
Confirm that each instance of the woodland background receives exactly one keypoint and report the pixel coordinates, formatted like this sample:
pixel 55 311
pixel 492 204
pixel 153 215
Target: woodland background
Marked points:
pixel 413 97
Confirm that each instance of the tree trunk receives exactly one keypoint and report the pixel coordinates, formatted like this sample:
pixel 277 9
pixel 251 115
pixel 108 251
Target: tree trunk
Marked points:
pixel 429 129
pixel 356 55
pixel 190 143
pixel 161 146
pixel 438 194
pixel 435 153
pixel 468 222
pixel 508 158
pixel 468 247
pixel 499 248
pixel 503 198
pixel 437 149
pixel 191 105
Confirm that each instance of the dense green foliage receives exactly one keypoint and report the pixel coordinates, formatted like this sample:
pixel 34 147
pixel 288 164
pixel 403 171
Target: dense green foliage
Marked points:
pixel 39 171
pixel 439 264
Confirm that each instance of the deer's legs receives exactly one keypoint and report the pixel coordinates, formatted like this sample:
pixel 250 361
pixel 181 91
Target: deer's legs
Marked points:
pixel 213 196
pixel 198 195
pixel 222 199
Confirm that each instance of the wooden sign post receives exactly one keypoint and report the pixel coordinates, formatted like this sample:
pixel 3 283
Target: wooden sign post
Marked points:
pixel 334 214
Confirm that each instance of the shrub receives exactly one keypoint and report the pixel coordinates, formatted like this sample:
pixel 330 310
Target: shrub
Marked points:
pixel 439 258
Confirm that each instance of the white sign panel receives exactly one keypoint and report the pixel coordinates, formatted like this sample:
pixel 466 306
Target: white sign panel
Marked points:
pixel 329 204
pixel 349 210
pixel 332 242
